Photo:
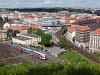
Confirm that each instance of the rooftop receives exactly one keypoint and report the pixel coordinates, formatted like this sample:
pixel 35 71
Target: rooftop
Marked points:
pixel 22 38
pixel 31 35
pixel 82 28
pixel 71 30
pixel 21 27
pixel 97 31
pixel 87 21
pixel 55 50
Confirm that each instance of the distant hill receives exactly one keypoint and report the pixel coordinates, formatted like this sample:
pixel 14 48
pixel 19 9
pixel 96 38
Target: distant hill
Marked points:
pixel 44 9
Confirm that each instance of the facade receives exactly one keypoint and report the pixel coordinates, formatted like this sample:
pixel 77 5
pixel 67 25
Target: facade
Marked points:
pixel 27 39
pixel 82 36
pixel 71 33
pixel 94 44
pixel 93 26
pixel 22 29
pixel 3 34
pixel 92 23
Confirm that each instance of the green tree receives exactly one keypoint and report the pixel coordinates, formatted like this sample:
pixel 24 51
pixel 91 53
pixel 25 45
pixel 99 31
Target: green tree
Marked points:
pixel 1 22
pixel 15 32
pixel 9 33
pixel 45 40
pixel 30 30
pixel 6 19
pixel 73 39
pixel 40 32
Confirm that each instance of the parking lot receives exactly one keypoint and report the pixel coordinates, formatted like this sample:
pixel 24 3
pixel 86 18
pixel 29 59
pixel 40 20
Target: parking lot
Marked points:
pixel 55 50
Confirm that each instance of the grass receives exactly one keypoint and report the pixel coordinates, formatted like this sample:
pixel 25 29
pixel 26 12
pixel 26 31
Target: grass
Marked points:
pixel 96 55
pixel 76 58
pixel 73 57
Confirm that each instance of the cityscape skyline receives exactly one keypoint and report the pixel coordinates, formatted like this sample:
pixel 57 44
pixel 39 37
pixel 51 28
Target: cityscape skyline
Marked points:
pixel 49 3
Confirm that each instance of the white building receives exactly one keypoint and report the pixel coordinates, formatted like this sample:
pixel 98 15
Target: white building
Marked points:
pixel 94 44
pixel 71 33
pixel 27 39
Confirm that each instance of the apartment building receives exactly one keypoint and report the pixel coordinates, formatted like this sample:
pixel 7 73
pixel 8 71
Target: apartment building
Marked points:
pixel 94 44
pixel 82 36
pixel 92 23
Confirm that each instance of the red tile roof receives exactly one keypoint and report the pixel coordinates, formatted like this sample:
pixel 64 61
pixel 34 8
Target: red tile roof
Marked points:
pixel 16 16
pixel 21 27
pixel 87 21
pixel 71 30
pixel 74 19
pixel 96 31
pixel 82 28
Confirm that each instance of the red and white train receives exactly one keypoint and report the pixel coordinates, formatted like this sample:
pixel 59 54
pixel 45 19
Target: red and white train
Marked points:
pixel 29 51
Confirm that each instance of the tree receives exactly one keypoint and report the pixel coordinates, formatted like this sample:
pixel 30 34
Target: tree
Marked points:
pixel 1 22
pixel 40 32
pixel 15 32
pixel 9 33
pixel 73 39
pixel 30 30
pixel 6 19
pixel 45 40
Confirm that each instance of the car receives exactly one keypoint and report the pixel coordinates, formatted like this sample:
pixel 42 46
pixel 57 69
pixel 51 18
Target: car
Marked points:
pixel 61 47
pixel 65 48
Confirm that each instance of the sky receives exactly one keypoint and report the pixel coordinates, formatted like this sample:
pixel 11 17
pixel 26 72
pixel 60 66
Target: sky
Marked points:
pixel 49 3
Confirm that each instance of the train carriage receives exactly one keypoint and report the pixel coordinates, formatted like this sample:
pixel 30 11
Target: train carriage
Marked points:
pixel 29 51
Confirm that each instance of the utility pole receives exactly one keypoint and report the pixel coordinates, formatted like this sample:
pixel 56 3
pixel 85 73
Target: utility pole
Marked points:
pixel 33 58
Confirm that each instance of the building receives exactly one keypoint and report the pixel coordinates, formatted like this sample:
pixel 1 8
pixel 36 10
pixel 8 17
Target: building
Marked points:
pixel 3 34
pixel 71 33
pixel 94 44
pixel 26 39
pixel 54 51
pixel 82 36
pixel 92 23
pixel 22 29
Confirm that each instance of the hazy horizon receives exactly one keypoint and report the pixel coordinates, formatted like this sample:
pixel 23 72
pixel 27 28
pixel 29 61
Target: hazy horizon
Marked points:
pixel 49 3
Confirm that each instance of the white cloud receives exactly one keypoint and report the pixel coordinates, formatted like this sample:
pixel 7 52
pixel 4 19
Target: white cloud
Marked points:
pixel 60 2
pixel 48 2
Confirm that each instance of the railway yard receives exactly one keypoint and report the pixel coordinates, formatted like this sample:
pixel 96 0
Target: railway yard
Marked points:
pixel 9 56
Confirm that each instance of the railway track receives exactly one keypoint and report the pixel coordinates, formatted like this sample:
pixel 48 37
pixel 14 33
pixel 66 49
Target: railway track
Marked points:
pixel 6 53
pixel 86 54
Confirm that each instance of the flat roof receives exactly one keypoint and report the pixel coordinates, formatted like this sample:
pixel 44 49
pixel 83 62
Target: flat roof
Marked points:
pixel 22 38
pixel 55 50
pixel 31 35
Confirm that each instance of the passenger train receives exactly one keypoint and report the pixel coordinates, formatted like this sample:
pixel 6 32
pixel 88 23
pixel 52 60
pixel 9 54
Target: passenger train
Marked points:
pixel 29 51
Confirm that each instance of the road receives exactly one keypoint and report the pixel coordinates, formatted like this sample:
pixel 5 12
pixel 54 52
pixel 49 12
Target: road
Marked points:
pixel 54 39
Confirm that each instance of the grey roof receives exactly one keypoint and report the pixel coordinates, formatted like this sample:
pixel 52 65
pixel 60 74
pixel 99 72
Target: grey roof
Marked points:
pixel 31 35
pixel 54 50
pixel 22 38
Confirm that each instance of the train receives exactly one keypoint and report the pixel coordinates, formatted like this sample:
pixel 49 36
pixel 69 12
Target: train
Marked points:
pixel 29 51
